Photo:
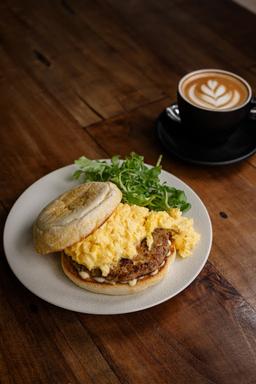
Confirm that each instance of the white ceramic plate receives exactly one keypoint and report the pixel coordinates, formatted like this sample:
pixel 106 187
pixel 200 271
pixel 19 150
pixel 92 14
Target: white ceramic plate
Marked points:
pixel 43 276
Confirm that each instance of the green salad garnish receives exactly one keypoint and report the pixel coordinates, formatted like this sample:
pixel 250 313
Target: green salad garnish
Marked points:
pixel 139 184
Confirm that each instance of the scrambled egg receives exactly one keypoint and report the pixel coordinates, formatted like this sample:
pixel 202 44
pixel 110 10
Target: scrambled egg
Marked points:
pixel 119 236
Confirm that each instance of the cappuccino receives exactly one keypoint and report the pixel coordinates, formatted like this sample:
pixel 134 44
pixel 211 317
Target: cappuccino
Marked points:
pixel 214 90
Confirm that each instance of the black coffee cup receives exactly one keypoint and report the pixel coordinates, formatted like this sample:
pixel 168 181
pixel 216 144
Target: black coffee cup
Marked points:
pixel 214 114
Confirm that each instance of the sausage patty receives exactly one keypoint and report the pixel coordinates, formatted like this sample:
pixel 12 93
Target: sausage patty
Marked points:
pixel 145 262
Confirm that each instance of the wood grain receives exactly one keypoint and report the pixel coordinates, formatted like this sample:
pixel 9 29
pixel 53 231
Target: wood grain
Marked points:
pixel 36 129
pixel 211 313
pixel 98 87
pixel 90 77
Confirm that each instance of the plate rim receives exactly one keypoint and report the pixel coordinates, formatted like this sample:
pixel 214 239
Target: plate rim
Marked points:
pixel 99 312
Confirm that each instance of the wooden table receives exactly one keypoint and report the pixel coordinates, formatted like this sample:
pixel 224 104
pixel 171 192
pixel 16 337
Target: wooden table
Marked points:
pixel 90 77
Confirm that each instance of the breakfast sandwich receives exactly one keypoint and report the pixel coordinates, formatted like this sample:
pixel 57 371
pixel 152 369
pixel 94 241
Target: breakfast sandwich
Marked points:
pixel 107 246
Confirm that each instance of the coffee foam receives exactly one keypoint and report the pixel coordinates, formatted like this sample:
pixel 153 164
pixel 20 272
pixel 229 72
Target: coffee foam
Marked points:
pixel 214 90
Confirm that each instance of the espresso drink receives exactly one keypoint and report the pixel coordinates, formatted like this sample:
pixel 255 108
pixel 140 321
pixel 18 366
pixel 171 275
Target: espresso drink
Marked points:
pixel 214 90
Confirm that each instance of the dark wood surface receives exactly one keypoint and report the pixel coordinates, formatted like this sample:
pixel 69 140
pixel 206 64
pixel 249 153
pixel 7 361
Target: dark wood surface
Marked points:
pixel 90 77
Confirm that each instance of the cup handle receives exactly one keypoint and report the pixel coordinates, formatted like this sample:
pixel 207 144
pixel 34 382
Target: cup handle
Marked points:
pixel 173 113
pixel 252 113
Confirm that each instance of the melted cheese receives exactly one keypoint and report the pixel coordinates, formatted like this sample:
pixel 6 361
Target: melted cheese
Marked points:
pixel 120 235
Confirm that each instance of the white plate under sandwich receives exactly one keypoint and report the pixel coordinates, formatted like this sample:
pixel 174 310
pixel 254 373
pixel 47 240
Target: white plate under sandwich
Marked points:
pixel 43 275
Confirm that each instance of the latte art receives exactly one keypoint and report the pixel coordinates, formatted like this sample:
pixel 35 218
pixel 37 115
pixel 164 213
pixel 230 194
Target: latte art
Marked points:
pixel 214 95
pixel 217 91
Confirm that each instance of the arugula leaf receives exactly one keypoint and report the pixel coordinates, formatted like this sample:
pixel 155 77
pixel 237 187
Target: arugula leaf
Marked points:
pixel 139 184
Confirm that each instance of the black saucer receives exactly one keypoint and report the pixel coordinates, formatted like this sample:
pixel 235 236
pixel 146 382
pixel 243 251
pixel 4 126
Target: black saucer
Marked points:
pixel 238 147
